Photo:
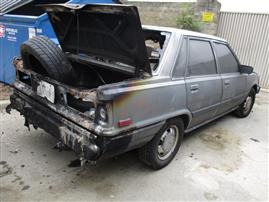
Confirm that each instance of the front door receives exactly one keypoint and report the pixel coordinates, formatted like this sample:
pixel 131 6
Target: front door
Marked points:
pixel 233 82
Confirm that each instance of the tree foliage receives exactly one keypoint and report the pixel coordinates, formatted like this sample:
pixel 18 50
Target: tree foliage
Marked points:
pixel 187 20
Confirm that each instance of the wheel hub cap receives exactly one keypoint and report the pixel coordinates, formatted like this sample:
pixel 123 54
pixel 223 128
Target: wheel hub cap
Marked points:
pixel 247 104
pixel 168 142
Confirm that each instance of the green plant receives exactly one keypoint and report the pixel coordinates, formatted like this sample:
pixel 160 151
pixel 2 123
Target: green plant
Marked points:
pixel 187 20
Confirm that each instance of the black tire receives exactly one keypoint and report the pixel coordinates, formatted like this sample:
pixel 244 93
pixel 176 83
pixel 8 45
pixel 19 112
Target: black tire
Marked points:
pixel 43 56
pixel 149 153
pixel 244 111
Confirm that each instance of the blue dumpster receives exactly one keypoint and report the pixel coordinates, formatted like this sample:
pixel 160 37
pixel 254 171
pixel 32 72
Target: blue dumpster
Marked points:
pixel 21 20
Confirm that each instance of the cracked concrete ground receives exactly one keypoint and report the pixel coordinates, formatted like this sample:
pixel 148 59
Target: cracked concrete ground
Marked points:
pixel 225 160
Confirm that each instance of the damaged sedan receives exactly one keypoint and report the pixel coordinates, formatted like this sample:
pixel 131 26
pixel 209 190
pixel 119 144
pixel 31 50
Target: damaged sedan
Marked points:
pixel 113 85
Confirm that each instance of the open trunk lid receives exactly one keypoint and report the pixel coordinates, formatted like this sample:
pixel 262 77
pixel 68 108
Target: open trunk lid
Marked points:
pixel 107 32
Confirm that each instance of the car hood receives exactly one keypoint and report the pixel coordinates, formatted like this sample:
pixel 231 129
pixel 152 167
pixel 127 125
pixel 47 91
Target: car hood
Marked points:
pixel 112 32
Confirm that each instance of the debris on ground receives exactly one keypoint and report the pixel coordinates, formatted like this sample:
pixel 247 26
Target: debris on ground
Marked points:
pixel 3 162
pixel 25 187
pixel 5 170
pixel 254 140
pixel 14 152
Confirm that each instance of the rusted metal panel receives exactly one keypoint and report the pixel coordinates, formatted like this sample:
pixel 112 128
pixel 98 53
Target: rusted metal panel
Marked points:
pixel 248 34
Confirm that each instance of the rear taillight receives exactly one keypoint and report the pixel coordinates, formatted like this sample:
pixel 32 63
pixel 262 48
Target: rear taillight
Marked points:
pixel 125 122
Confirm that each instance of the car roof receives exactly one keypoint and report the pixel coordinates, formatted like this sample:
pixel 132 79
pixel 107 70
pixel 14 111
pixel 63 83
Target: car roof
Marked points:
pixel 183 32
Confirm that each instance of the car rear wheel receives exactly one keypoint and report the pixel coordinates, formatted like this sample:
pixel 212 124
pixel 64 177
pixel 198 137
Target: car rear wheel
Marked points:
pixel 246 107
pixel 161 150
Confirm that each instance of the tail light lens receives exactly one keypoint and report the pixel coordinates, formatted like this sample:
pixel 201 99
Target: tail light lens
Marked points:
pixel 125 122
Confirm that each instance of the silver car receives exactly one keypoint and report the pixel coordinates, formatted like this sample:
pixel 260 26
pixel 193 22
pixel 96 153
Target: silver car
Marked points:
pixel 113 86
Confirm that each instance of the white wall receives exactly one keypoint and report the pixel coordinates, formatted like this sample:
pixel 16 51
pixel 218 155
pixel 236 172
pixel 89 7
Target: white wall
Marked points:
pixel 253 6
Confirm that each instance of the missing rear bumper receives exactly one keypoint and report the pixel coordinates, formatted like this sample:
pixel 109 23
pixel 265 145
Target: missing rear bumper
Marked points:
pixel 78 139
pixel 85 143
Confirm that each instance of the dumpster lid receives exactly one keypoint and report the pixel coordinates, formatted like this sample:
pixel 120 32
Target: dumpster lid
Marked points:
pixel 109 32
pixel 7 6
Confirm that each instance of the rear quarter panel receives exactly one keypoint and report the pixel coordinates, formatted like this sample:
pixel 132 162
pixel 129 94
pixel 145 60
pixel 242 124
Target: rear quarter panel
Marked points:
pixel 147 101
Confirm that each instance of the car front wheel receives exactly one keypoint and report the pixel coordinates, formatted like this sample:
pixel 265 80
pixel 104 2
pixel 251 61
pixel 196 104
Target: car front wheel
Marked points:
pixel 160 151
pixel 245 108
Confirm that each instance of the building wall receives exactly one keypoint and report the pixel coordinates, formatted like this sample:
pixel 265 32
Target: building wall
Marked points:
pixel 248 34
pixel 166 13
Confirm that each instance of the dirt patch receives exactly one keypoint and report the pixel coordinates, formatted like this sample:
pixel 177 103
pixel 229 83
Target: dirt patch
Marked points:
pixel 5 92
pixel 25 187
pixel 3 162
pixel 106 190
pixel 17 178
pixel 7 170
pixel 218 138
pixel 10 194
pixel 224 147
pixel 254 140
pixel 210 196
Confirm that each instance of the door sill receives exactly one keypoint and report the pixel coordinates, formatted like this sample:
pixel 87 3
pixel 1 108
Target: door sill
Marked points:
pixel 210 120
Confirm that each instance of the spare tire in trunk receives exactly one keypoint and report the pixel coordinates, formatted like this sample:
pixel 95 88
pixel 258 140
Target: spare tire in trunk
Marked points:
pixel 43 56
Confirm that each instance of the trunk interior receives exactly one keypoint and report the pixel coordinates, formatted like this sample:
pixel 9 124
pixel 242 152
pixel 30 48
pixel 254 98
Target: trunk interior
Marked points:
pixel 91 76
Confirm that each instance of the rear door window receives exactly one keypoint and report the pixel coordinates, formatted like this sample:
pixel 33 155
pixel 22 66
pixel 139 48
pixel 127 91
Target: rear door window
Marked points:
pixel 201 58
pixel 226 59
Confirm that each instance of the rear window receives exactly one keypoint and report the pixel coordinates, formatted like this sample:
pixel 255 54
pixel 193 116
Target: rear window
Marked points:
pixel 226 59
pixel 201 58
pixel 156 43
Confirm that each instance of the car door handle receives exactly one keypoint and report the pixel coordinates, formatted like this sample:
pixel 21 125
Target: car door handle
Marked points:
pixel 226 82
pixel 194 87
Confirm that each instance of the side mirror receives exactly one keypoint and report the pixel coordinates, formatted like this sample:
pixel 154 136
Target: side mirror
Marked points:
pixel 245 69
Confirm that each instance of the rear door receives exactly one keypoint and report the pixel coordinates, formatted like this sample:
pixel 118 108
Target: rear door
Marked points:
pixel 233 82
pixel 203 83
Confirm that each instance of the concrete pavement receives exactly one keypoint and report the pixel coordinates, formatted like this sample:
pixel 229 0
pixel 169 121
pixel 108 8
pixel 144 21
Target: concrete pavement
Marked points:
pixel 225 160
